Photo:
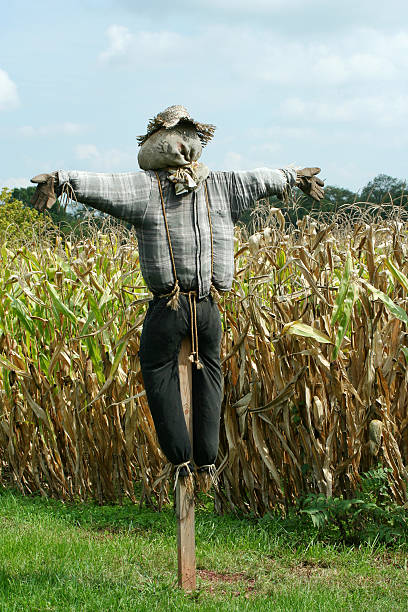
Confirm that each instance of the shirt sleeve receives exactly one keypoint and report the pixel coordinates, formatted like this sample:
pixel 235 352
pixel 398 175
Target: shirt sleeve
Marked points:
pixel 246 188
pixel 123 195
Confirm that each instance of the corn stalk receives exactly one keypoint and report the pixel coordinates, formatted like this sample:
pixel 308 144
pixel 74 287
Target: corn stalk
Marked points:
pixel 314 356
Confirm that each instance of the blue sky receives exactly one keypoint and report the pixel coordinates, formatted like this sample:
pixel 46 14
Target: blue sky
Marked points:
pixel 310 82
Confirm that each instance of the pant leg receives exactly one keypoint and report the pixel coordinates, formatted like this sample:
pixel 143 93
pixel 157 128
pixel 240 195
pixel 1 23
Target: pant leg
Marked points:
pixel 207 384
pixel 163 331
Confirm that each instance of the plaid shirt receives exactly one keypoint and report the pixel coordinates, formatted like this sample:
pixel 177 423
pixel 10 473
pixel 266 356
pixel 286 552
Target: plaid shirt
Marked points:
pixel 135 198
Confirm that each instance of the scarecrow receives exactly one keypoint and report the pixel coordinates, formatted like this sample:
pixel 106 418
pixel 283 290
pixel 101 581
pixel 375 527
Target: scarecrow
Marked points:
pixel 184 216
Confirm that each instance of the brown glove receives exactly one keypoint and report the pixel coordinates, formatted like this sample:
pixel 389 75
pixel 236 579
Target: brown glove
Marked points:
pixel 44 196
pixel 309 183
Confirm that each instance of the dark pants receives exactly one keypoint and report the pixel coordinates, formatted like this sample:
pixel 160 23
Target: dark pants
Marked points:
pixel 163 332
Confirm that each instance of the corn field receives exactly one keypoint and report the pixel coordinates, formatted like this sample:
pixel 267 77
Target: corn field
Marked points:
pixel 314 355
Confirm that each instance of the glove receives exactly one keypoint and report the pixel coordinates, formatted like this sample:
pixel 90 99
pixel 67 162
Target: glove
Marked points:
pixel 44 196
pixel 309 183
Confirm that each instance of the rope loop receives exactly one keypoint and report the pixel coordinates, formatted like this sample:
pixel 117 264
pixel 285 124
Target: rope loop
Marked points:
pixel 189 476
pixel 174 295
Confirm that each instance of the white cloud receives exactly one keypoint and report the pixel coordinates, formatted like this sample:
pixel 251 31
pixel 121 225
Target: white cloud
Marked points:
pixel 15 182
pixel 259 155
pixel 335 69
pixel 211 10
pixel 106 160
pixel 120 40
pixel 8 92
pixel 86 151
pixel 234 161
pixel 263 7
pixel 379 108
pixel 282 133
pixel 28 131
pixel 356 59
pixel 144 46
pixel 360 55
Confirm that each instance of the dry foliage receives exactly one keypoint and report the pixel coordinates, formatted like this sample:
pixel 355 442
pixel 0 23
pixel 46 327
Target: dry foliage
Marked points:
pixel 314 355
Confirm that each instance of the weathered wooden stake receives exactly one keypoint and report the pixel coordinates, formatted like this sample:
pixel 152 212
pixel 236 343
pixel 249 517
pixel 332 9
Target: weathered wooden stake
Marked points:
pixel 185 498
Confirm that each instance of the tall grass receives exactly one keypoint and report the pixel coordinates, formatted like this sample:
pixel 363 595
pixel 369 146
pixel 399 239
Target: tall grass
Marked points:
pixel 314 354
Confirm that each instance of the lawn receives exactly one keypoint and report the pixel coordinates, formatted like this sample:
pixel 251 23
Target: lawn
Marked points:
pixel 57 556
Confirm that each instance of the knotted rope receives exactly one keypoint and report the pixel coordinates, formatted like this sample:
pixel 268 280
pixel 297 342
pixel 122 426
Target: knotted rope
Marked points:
pixel 207 475
pixel 189 482
pixel 174 295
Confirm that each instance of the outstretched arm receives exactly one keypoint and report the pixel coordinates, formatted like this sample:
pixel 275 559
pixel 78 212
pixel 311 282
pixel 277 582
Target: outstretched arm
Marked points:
pixel 245 188
pixel 122 195
pixel 261 183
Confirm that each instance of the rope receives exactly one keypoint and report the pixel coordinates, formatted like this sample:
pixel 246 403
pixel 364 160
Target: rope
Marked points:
pixel 211 229
pixel 174 294
pixel 192 302
pixel 69 193
pixel 189 475
pixel 207 475
pixel 213 290
pixel 173 303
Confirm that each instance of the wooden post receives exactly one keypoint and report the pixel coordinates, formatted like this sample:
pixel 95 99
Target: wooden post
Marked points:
pixel 184 498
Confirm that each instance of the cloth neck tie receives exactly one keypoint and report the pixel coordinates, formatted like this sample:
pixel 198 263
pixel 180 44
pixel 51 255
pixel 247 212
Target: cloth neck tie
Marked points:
pixel 188 178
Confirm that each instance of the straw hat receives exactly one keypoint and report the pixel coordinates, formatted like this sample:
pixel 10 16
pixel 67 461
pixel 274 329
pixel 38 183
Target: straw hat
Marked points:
pixel 173 115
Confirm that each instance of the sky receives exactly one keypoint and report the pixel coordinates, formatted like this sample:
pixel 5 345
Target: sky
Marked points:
pixel 307 82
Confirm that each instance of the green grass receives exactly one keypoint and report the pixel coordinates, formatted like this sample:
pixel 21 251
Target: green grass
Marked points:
pixel 57 556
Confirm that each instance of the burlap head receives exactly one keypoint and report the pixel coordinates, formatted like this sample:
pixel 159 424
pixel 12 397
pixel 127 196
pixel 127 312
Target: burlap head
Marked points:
pixel 170 148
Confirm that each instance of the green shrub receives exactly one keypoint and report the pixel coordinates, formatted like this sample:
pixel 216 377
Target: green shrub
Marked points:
pixel 371 516
pixel 18 223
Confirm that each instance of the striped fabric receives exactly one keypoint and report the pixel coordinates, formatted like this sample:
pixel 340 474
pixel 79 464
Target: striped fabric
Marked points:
pixel 135 198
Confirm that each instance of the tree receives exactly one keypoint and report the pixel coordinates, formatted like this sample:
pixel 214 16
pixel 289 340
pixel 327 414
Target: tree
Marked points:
pixel 384 188
pixel 18 223
pixel 336 197
pixel 66 221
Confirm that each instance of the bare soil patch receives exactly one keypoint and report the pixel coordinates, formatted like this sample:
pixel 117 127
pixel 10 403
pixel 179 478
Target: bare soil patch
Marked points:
pixel 220 578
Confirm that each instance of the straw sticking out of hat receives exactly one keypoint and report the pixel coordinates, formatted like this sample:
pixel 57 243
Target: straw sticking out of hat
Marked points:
pixel 173 115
